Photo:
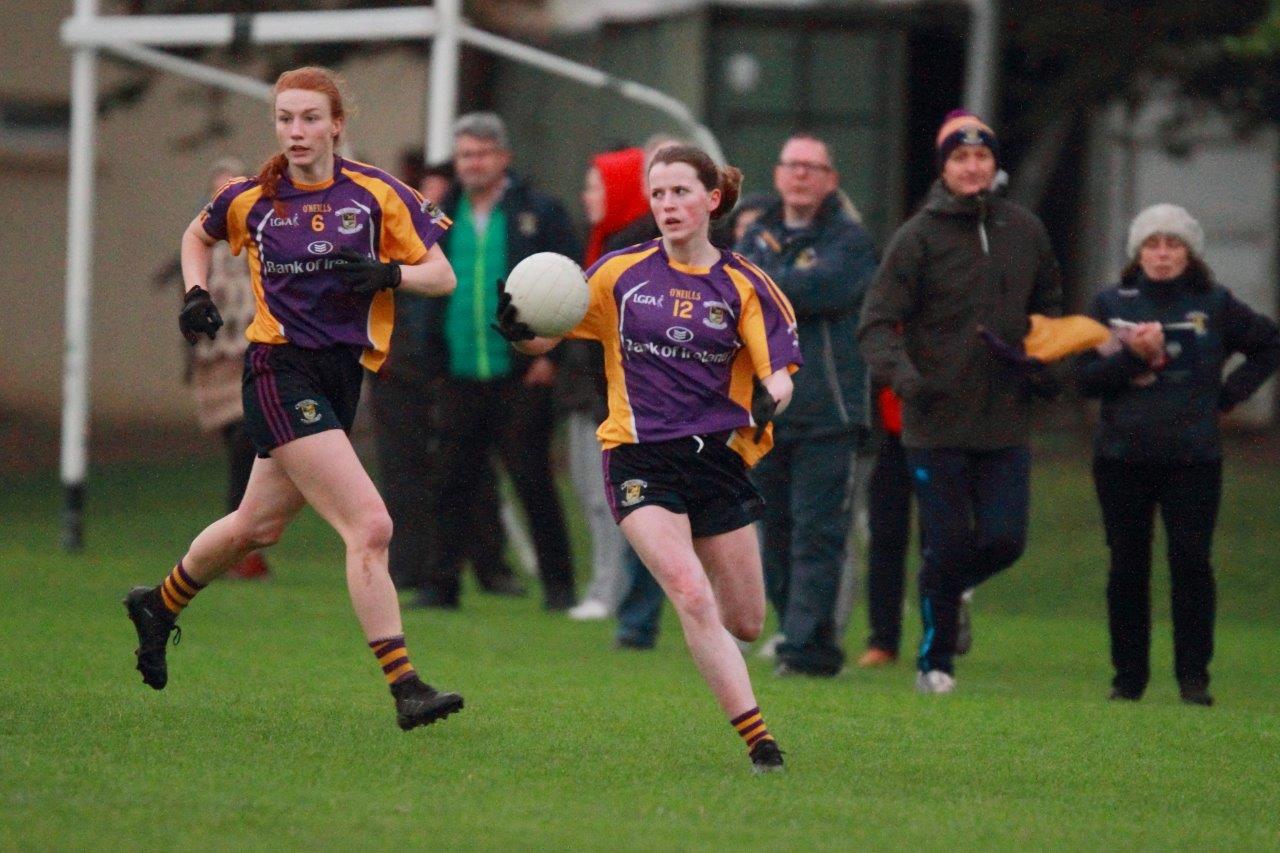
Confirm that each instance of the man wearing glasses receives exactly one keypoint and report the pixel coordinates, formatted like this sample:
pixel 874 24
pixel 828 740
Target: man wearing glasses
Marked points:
pixel 811 244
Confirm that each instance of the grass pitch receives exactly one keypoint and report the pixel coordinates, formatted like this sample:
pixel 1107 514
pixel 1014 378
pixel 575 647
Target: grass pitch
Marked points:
pixel 276 730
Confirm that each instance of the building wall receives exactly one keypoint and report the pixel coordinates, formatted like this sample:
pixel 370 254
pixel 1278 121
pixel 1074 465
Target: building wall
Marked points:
pixel 152 178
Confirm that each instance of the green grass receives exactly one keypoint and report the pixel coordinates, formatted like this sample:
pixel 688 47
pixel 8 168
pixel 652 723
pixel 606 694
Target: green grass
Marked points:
pixel 276 731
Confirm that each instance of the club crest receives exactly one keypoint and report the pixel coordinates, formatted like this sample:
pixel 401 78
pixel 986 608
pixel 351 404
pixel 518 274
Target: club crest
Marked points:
pixel 349 220
pixel 308 411
pixel 632 492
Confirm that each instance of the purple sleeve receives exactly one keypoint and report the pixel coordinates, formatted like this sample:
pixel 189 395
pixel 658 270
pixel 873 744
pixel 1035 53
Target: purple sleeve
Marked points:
pixel 411 227
pixel 214 215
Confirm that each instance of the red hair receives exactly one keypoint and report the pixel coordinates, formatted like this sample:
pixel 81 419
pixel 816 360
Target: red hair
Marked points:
pixel 311 78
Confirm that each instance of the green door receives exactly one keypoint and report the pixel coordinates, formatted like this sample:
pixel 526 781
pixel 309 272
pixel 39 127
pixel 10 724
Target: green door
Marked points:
pixel 771 74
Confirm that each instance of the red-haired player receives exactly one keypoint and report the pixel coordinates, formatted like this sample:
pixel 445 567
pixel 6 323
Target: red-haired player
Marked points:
pixel 328 240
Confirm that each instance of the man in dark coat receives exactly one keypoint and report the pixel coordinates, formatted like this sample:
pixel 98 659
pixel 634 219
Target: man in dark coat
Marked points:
pixel 493 400
pixel 967 260
pixel 811 245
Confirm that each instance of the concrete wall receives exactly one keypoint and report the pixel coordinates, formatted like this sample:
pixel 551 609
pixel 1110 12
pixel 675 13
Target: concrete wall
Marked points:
pixel 149 188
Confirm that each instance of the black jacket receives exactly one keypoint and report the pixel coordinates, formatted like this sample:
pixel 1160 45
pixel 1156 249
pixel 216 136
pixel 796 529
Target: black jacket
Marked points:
pixel 536 222
pixel 824 271
pixel 1171 415
pixel 957 264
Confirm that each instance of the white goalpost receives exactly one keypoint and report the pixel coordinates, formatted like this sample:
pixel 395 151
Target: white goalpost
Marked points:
pixel 137 38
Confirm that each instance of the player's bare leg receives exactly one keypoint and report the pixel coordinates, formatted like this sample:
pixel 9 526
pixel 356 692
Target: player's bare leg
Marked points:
pixel 732 562
pixel 269 504
pixel 664 543
pixel 325 469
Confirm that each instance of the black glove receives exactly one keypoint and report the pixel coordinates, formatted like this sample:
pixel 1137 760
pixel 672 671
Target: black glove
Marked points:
pixel 198 314
pixel 762 407
pixel 1035 373
pixel 508 324
pixel 366 275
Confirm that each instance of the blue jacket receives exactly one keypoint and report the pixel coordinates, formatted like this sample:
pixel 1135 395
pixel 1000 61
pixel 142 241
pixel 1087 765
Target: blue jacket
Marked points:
pixel 824 270
pixel 1171 415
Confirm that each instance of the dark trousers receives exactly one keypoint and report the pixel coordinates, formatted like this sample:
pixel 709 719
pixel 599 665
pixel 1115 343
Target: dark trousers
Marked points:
pixel 805 485
pixel 513 421
pixel 889 520
pixel 973 521
pixel 407 435
pixel 240 456
pixel 1188 496
pixel 640 610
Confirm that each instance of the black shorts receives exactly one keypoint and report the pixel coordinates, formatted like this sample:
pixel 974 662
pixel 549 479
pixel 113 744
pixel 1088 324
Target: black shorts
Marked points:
pixel 697 476
pixel 290 392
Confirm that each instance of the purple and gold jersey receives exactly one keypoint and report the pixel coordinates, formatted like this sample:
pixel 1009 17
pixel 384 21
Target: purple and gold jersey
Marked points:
pixel 681 345
pixel 300 296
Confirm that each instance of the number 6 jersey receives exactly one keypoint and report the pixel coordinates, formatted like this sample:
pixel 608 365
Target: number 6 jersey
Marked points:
pixel 293 241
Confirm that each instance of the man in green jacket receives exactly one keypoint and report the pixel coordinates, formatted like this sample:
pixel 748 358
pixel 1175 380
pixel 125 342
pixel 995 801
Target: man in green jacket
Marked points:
pixel 967 260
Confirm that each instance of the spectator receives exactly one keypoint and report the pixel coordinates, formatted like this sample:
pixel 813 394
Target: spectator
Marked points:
pixel 494 400
pixel 747 213
pixel 215 366
pixel 889 523
pixel 613 198
pixel 810 245
pixel 1158 442
pixel 967 259
pixel 405 397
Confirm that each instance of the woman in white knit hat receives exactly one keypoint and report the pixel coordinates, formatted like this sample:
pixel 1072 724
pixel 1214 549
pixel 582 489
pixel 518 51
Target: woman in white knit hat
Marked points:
pixel 1158 442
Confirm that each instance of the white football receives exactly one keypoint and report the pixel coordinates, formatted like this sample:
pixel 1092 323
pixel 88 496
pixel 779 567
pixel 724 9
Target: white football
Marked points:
pixel 550 293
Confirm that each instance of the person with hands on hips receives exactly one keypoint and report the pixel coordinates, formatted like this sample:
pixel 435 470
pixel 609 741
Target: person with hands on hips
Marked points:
pixel 699 347
pixel 1158 441
pixel 328 240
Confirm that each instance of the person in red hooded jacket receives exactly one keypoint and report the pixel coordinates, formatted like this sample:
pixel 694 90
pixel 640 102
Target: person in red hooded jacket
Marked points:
pixel 613 198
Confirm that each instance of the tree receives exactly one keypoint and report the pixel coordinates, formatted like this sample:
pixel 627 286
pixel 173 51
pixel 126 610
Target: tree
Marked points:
pixel 1063 58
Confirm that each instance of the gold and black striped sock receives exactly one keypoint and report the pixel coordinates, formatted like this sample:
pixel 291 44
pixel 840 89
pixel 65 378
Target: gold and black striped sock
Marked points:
pixel 177 590
pixel 394 658
pixel 751 728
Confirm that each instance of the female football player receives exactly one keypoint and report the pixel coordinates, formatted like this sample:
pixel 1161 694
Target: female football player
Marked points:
pixel 328 241
pixel 698 348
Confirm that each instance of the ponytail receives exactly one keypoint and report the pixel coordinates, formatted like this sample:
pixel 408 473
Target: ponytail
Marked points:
pixel 269 179
pixel 730 188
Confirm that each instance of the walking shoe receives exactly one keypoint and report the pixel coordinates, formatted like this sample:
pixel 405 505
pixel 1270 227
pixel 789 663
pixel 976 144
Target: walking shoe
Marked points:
pixel 935 681
pixel 154 624
pixel 766 757
pixel 1195 693
pixel 874 657
pixel 1118 695
pixel 590 610
pixel 964 624
pixel 420 704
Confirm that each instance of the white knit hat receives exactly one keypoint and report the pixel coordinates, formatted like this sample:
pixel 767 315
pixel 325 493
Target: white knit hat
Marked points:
pixel 1166 219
